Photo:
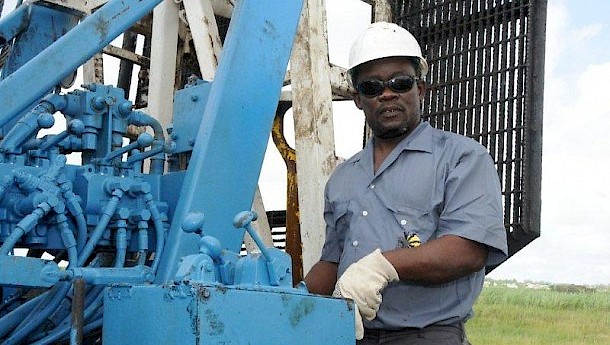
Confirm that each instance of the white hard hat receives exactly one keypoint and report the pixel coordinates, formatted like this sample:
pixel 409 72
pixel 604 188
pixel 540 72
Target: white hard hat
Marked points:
pixel 382 39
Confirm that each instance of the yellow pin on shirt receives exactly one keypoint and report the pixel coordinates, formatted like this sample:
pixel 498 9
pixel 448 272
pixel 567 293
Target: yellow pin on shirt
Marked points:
pixel 413 241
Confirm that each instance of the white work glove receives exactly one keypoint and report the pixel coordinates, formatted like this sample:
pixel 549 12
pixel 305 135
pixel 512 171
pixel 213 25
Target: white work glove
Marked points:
pixel 362 282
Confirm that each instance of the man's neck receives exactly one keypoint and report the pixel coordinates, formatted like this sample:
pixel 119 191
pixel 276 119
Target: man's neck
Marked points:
pixel 383 147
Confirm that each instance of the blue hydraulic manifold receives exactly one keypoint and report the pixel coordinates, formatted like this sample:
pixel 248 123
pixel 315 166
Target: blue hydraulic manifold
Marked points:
pixel 147 256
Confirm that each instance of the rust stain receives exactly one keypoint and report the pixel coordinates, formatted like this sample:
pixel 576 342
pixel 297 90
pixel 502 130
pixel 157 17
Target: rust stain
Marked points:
pixel 300 311
pixel 193 311
pixel 212 44
pixel 217 327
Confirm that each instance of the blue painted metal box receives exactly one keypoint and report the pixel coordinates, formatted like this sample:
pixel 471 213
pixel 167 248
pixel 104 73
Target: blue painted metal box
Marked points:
pixel 191 313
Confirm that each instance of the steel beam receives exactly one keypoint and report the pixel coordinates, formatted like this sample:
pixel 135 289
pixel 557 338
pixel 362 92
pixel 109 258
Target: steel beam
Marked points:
pixel 163 62
pixel 204 30
pixel 225 164
pixel 313 125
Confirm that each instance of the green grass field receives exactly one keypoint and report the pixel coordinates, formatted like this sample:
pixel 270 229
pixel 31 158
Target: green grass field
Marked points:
pixel 513 314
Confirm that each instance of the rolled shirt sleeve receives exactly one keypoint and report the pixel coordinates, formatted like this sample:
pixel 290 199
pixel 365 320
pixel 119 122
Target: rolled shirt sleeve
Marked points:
pixel 472 206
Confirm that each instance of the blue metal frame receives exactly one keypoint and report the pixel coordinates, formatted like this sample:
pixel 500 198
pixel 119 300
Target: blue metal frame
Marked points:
pixel 191 313
pixel 198 288
pixel 230 146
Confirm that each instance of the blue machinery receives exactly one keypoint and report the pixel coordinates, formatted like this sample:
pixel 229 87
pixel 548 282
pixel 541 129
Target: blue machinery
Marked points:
pixel 152 258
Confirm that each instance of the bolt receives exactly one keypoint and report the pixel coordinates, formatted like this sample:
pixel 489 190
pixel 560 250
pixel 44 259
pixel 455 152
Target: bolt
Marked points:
pixel 98 103
pixel 125 108
pixel 139 188
pixel 208 267
pixel 141 215
pixel 115 184
pixel 205 293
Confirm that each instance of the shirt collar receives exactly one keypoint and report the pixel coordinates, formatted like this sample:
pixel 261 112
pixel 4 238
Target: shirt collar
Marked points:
pixel 418 140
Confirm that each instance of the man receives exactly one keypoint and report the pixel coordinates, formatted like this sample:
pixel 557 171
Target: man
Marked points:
pixel 413 219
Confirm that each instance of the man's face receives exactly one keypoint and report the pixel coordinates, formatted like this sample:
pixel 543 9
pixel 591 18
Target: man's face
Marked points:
pixel 390 114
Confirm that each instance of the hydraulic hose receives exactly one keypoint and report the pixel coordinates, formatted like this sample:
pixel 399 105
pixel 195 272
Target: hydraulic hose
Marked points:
pixel 109 210
pixel 9 321
pixel 159 228
pixel 63 329
pixel 75 209
pixel 139 118
pixel 67 238
pixel 36 317
pixel 39 117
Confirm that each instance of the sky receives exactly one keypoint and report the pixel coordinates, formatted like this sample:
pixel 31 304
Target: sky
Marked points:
pixel 574 246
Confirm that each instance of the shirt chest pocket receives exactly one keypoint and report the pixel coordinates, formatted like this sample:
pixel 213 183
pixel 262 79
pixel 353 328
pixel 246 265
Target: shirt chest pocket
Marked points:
pixel 340 217
pixel 417 226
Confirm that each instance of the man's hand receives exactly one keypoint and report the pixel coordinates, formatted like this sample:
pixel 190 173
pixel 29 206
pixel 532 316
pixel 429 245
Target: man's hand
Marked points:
pixel 362 282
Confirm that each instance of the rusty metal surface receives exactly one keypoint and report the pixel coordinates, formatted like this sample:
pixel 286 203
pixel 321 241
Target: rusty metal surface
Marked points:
pixel 78 309
pixel 293 229
pixel 486 62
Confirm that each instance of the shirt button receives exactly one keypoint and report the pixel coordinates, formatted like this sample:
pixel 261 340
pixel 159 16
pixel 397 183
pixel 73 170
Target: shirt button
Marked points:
pixel 372 186
pixel 403 222
pixel 355 243
pixel 365 213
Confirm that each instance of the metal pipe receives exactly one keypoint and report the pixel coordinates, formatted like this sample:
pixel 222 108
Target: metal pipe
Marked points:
pixel 158 147
pixel 78 320
pixel 143 140
pixel 121 243
pixel 142 242
pixel 13 23
pixel 126 66
pixel 244 220
pixel 75 126
pixel 157 165
pixel 294 245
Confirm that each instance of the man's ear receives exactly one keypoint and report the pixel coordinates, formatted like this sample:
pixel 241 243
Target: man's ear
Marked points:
pixel 357 100
pixel 421 87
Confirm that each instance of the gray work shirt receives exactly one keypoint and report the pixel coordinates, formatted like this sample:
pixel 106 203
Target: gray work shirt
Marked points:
pixel 434 183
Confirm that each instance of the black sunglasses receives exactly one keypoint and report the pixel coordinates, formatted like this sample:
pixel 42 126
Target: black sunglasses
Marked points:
pixel 374 87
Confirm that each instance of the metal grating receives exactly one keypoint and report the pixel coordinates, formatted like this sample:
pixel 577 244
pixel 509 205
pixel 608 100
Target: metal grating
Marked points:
pixel 486 62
